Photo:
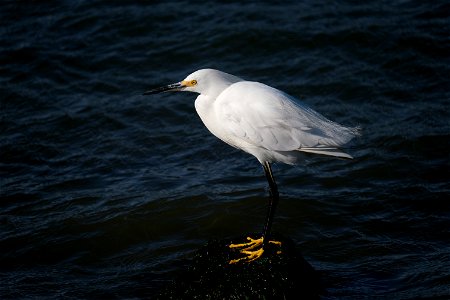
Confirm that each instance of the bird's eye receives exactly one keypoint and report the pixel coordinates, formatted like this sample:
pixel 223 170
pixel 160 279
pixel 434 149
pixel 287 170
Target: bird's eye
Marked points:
pixel 194 82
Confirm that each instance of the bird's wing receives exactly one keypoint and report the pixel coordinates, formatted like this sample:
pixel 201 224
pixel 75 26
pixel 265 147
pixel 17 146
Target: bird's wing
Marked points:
pixel 266 117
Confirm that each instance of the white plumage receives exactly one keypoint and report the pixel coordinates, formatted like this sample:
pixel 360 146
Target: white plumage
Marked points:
pixel 263 121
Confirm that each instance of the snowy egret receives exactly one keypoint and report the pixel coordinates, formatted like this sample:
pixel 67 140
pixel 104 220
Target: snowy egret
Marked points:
pixel 264 122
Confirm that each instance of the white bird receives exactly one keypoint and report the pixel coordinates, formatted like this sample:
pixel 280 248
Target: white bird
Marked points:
pixel 264 122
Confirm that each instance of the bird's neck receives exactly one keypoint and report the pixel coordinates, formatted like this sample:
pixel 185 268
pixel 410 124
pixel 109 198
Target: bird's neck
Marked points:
pixel 214 92
pixel 205 109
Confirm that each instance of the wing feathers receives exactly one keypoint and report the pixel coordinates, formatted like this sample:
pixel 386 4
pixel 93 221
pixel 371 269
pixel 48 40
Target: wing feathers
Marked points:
pixel 268 118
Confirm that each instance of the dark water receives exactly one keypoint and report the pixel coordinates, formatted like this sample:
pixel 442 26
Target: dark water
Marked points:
pixel 107 194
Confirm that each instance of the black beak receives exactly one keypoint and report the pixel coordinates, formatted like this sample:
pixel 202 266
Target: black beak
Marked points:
pixel 171 87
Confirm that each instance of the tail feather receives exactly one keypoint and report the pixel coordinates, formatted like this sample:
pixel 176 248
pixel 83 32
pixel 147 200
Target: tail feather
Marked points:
pixel 326 151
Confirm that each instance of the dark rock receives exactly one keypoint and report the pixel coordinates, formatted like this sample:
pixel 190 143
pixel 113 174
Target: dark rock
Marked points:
pixel 286 275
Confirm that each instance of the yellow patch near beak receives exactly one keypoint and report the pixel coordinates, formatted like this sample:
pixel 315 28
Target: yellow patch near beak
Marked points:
pixel 189 82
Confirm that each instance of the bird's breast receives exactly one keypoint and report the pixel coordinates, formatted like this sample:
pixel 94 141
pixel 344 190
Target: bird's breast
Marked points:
pixel 205 109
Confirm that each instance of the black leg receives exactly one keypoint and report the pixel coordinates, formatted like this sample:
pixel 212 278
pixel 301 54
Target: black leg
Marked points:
pixel 273 201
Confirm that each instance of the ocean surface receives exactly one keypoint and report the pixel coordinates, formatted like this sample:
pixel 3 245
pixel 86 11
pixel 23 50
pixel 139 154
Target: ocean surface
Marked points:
pixel 107 194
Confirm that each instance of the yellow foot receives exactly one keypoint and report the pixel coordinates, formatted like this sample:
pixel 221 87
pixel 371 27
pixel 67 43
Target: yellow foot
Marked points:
pixel 248 249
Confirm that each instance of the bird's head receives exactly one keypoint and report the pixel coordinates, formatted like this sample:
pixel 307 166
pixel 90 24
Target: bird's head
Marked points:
pixel 208 82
